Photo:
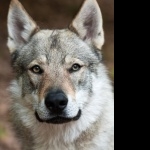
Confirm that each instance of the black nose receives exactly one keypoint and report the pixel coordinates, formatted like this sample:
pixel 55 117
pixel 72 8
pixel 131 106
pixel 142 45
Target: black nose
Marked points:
pixel 56 101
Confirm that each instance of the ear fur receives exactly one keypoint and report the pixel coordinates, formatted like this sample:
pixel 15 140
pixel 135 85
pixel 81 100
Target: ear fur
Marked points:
pixel 88 24
pixel 20 26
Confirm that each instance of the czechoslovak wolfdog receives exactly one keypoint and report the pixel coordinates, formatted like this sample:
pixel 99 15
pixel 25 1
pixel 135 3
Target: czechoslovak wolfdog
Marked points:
pixel 62 98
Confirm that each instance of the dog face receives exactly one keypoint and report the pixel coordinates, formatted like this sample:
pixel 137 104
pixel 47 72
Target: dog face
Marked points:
pixel 55 68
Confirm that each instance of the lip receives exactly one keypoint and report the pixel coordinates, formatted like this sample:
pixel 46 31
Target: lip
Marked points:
pixel 59 119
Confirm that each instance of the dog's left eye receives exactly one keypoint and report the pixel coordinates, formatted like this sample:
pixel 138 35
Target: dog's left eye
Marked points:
pixel 75 67
pixel 36 69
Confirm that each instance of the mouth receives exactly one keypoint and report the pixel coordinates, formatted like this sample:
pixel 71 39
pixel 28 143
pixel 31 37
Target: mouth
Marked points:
pixel 59 119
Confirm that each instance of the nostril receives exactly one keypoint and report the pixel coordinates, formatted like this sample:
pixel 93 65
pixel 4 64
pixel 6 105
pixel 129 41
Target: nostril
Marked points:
pixel 50 105
pixel 63 103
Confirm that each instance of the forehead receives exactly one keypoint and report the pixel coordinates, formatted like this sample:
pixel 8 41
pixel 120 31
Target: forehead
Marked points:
pixel 59 41
pixel 55 45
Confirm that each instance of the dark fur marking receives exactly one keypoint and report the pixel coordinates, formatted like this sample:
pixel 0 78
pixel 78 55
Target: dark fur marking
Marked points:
pixel 54 42
pixel 37 29
pixel 14 56
pixel 19 25
pixel 99 34
pixel 14 62
pixel 85 37
pixel 97 54
pixel 11 38
pixel 73 29
pixel 93 68
pixel 27 86
pixel 54 38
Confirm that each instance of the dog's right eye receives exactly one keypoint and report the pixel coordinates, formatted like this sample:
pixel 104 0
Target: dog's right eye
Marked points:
pixel 36 69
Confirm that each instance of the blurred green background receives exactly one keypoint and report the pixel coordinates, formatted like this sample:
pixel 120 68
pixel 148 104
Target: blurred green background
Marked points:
pixel 48 14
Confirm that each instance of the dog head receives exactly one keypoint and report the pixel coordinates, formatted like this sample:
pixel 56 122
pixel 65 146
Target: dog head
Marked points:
pixel 55 68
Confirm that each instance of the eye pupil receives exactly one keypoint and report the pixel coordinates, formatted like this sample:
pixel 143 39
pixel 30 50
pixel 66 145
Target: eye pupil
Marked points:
pixel 76 67
pixel 36 69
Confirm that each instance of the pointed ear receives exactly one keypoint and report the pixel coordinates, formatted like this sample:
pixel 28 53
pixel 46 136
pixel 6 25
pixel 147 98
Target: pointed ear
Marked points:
pixel 20 26
pixel 88 24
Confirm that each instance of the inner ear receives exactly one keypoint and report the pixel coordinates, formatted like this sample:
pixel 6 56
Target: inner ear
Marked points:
pixel 20 26
pixel 88 24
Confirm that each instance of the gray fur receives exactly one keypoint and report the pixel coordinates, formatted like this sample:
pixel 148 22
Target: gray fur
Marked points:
pixel 87 89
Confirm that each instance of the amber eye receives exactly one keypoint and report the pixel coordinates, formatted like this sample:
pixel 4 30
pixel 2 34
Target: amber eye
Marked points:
pixel 75 67
pixel 36 69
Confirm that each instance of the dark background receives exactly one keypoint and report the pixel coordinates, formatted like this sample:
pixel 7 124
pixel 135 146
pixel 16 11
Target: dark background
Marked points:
pixel 48 14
